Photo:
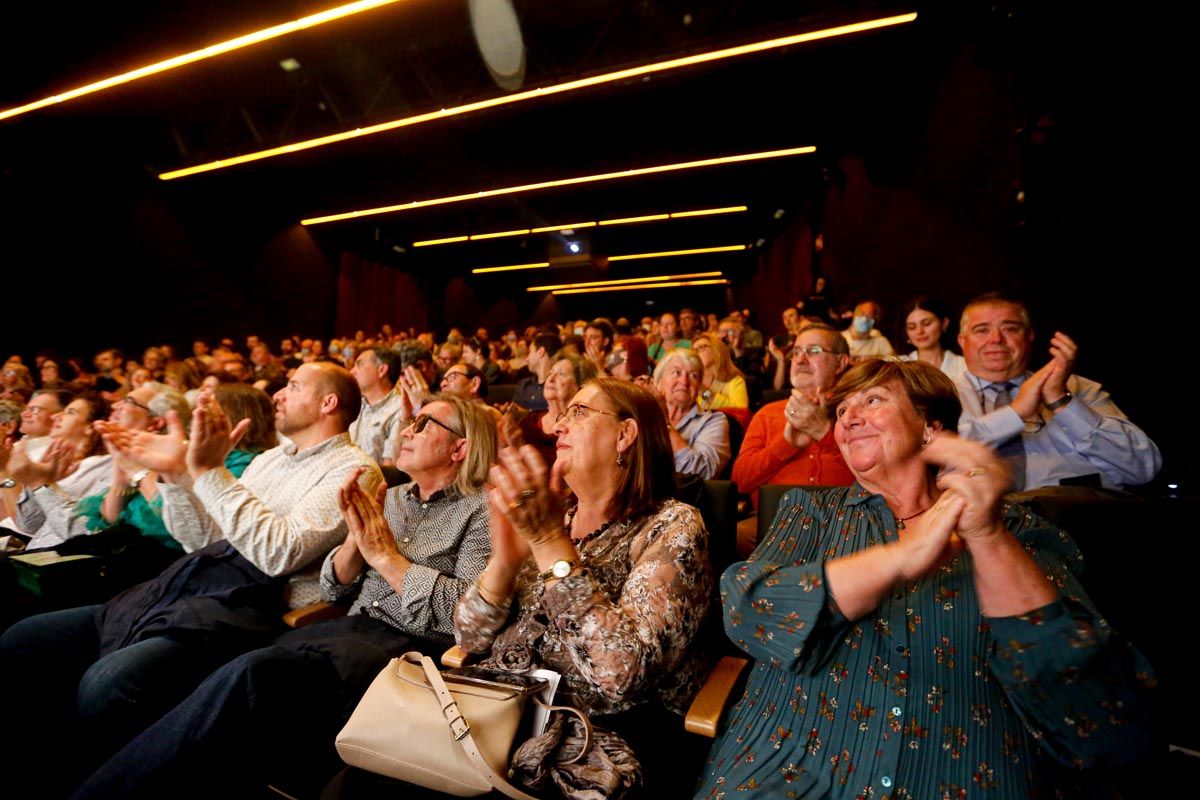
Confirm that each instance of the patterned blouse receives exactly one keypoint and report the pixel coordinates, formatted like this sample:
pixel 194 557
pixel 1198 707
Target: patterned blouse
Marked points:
pixel 925 698
pixel 620 631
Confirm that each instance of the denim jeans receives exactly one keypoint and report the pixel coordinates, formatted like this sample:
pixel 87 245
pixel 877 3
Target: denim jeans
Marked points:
pixel 86 705
pixel 273 711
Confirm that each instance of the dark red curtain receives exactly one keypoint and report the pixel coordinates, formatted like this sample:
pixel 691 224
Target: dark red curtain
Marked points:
pixel 371 294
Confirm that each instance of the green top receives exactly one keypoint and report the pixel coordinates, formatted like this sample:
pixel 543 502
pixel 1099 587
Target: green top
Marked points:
pixel 146 515
pixel 924 697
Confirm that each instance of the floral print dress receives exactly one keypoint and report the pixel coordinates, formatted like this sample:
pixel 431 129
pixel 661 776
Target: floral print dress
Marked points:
pixel 925 697
pixel 620 632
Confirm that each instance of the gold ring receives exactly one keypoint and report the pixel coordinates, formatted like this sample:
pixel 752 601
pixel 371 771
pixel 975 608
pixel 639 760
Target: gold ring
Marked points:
pixel 976 471
pixel 515 504
pixel 527 494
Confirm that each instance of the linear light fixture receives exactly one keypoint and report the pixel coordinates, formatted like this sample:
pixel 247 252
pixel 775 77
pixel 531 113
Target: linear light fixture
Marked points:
pixel 545 91
pixel 628 220
pixel 220 48
pixel 498 234
pixel 664 285
pixel 529 187
pixel 729 248
pixel 447 240
pixel 511 267
pixel 624 281
pixel 707 212
pixel 570 226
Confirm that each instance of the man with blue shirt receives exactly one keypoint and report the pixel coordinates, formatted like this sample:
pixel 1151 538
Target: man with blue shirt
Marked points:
pixel 1050 425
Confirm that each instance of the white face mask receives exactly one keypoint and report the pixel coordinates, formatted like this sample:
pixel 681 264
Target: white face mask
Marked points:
pixel 579 331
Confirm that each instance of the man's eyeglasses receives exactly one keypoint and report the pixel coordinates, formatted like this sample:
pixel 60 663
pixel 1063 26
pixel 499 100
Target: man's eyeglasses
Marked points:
pixel 130 401
pixel 577 411
pixel 35 410
pixel 422 420
pixel 810 350
pixel 452 375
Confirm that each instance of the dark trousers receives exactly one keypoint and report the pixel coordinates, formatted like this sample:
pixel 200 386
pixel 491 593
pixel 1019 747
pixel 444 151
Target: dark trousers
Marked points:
pixel 268 713
pixel 86 704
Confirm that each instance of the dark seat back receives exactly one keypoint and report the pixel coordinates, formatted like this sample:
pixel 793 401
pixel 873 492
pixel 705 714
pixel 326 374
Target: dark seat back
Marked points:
pixel 501 393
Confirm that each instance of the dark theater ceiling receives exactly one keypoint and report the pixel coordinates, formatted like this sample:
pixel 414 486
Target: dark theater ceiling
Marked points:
pixel 865 92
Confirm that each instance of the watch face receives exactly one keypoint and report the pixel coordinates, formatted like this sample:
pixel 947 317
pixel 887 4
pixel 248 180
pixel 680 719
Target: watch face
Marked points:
pixel 561 569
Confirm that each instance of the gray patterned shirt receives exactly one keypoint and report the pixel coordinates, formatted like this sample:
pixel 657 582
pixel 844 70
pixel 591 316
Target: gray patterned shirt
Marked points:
pixel 375 429
pixel 445 538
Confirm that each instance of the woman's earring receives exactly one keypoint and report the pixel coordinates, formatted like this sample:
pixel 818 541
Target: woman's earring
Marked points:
pixel 621 459
pixel 928 438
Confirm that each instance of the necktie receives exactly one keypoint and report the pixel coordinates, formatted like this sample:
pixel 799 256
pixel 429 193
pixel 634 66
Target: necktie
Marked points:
pixel 1013 450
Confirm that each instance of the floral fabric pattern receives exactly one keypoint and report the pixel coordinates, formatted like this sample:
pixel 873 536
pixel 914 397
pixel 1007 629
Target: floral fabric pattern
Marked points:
pixel 620 631
pixel 925 697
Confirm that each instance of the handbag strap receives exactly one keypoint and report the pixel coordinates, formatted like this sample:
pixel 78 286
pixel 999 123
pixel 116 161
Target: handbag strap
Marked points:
pixel 461 730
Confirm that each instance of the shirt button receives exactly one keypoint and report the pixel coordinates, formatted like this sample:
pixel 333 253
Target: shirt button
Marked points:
pixel 374 604
pixel 897 711
pixel 886 781
pixel 424 505
pixel 899 648
pixel 406 540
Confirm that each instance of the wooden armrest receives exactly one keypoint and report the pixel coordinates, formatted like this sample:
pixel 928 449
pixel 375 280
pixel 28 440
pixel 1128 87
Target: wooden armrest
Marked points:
pixel 704 715
pixel 315 612
pixel 457 657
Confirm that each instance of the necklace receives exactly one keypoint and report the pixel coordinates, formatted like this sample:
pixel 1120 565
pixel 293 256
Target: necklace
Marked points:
pixel 901 520
pixel 580 543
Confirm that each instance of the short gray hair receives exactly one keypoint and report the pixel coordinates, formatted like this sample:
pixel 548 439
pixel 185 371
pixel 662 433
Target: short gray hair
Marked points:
pixel 167 399
pixel 675 353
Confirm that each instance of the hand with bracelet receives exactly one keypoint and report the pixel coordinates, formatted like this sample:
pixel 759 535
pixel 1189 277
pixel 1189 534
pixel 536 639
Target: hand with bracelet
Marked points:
pixel 527 509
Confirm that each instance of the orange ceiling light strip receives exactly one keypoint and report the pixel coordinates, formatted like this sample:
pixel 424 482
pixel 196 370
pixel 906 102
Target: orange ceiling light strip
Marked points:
pixel 203 53
pixel 511 267
pixel 529 187
pixel 572 226
pixel 707 212
pixel 499 234
pixel 664 285
pixel 624 281
pixel 730 248
pixel 546 91
pixel 629 220
pixel 703 212
pixel 447 240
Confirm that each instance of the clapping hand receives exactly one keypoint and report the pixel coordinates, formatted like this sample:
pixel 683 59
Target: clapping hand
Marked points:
pixel 213 436
pixel 369 531
pixel 164 453
pixel 977 476
pixel 527 495
pixel 805 418
pixel 1063 351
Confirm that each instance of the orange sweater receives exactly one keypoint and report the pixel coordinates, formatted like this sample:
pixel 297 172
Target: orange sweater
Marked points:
pixel 766 457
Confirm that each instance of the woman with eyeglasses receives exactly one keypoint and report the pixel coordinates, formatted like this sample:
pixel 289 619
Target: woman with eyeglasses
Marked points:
pixel 607 588
pixel 915 635
pixel 724 385
pixel 567 373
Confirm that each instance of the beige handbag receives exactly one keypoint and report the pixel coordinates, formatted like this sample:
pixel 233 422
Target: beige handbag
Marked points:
pixel 457 740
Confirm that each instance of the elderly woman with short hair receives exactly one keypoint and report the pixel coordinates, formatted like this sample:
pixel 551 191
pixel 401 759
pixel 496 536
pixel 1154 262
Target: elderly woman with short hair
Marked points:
pixel 915 635
pixel 699 439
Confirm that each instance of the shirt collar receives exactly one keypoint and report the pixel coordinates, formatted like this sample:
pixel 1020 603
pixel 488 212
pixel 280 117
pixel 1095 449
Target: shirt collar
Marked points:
pixel 413 494
pixel 980 384
pixel 338 440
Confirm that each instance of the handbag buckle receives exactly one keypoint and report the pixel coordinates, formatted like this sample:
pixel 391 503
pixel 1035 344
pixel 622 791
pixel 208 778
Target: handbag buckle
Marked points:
pixel 466 727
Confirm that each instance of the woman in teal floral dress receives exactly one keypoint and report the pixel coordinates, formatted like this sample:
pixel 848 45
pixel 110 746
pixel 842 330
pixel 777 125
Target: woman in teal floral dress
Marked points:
pixel 915 636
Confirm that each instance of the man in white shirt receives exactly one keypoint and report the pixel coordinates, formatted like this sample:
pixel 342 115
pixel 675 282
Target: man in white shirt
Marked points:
pixel 864 338
pixel 1050 425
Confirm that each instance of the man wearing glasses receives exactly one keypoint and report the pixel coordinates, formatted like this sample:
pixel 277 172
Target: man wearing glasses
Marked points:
pixel 791 441
pixel 255 546
pixel 1052 426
